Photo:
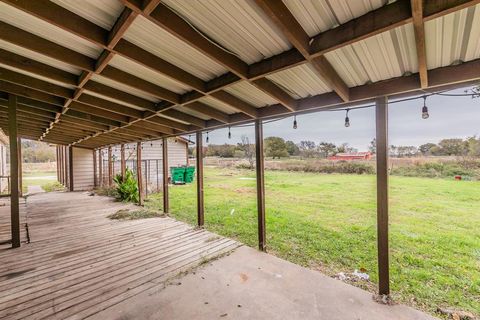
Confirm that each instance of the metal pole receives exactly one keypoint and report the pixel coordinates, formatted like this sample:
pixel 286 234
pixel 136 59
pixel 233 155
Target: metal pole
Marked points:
pixel 382 193
pixel 165 174
pixel 200 201
pixel 139 173
pixel 14 194
pixel 260 183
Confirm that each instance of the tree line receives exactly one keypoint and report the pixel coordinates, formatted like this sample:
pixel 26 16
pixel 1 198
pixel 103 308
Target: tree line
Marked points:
pixel 277 147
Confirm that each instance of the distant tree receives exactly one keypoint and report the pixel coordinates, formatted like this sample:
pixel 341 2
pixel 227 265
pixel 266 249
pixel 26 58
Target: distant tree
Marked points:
pixel 327 148
pixel 452 147
pixel 426 149
pixel 248 150
pixel 292 148
pixel 345 148
pixel 393 150
pixel 406 151
pixel 35 151
pixel 275 147
pixel 307 148
pixel 372 147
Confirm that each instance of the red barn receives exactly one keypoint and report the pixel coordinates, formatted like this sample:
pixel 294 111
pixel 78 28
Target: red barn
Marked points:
pixel 351 156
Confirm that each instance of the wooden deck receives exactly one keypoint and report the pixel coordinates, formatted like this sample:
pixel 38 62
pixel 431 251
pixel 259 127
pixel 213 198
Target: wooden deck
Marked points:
pixel 79 262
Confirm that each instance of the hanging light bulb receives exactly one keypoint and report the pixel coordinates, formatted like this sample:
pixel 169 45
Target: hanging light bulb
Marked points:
pixel 207 138
pixel 295 122
pixel 151 144
pixel 229 133
pixel 425 114
pixel 347 119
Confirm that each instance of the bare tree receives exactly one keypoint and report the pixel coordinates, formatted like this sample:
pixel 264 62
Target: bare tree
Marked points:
pixel 248 149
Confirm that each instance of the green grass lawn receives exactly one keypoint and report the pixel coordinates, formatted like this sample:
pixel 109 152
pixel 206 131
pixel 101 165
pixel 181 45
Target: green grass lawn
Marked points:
pixel 328 222
pixel 38 178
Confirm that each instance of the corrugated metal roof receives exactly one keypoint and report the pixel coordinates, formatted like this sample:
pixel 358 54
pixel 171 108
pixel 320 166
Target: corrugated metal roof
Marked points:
pixel 124 87
pixel 453 38
pixel 34 75
pixel 238 25
pixel 387 55
pixel 38 57
pixel 103 13
pixel 47 31
pixel 250 94
pixel 300 82
pixel 147 74
pixel 154 39
pixel 214 103
pixel 192 112
pixel 113 100
pixel 316 16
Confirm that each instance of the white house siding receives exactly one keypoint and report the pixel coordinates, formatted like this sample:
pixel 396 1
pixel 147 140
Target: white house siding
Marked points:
pixel 82 169
pixel 152 160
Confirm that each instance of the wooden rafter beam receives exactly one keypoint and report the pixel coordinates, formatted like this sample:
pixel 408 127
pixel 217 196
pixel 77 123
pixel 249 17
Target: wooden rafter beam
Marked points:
pixel 419 30
pixel 208 111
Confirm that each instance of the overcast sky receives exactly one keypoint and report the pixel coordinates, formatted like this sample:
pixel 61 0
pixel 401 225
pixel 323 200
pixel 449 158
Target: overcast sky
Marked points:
pixel 449 117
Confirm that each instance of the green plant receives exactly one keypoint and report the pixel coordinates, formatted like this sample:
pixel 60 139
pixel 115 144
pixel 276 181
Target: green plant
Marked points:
pixel 53 186
pixel 127 188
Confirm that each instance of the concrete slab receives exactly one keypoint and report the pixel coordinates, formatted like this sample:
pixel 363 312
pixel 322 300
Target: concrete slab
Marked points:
pixel 249 284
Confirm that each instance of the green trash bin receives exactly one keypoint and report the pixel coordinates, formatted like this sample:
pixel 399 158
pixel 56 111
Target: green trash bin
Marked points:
pixel 189 174
pixel 178 175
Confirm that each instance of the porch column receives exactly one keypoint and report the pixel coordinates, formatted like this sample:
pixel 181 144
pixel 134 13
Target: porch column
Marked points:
pixel 199 162
pixel 165 174
pixel 381 112
pixel 100 167
pixel 14 176
pixel 110 167
pixel 20 167
pixel 259 165
pixel 123 166
pixel 139 173
pixel 95 170
pixel 70 168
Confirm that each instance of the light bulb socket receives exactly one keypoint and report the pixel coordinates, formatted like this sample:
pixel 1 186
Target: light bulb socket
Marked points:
pixel 347 122
pixel 425 114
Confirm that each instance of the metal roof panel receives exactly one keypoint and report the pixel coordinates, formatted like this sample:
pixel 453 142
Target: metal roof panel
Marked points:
pixel 250 94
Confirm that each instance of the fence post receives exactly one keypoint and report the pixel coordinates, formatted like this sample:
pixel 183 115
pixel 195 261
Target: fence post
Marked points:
pixel 14 192
pixel 381 112
pixel 139 173
pixel 199 162
pixel 260 183
pixel 165 174
pixel 122 160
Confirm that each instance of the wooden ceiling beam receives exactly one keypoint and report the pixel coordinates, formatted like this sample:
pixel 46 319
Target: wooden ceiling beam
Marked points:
pixel 419 30
pixel 168 123
pixel 208 111
pixel 236 103
pixel 273 90
pixel 110 106
pixel 30 93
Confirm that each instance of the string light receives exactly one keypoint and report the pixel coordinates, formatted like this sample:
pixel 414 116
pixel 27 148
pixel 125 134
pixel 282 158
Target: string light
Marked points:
pixel 207 138
pixel 295 122
pixel 425 114
pixel 229 133
pixel 347 119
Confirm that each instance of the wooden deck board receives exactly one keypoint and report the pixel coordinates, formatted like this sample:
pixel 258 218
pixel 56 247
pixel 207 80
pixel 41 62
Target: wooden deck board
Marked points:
pixel 79 262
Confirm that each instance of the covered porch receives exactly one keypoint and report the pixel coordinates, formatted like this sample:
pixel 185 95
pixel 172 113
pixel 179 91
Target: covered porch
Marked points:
pixel 78 265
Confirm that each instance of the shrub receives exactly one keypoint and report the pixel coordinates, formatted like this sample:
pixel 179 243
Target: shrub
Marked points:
pixel 127 188
pixel 53 186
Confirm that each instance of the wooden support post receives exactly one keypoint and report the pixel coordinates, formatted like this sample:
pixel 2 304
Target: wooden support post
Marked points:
pixel 56 163
pixel 110 167
pixel 260 183
pixel 20 167
pixel 70 169
pixel 100 167
pixel 382 194
pixel 67 171
pixel 14 194
pixel 199 162
pixel 139 173
pixel 95 170
pixel 123 166
pixel 165 174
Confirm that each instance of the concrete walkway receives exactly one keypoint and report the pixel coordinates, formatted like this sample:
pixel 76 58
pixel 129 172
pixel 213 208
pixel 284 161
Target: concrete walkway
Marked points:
pixel 249 284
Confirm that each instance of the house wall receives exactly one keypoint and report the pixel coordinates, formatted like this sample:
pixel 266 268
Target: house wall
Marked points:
pixel 152 160
pixel 82 169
